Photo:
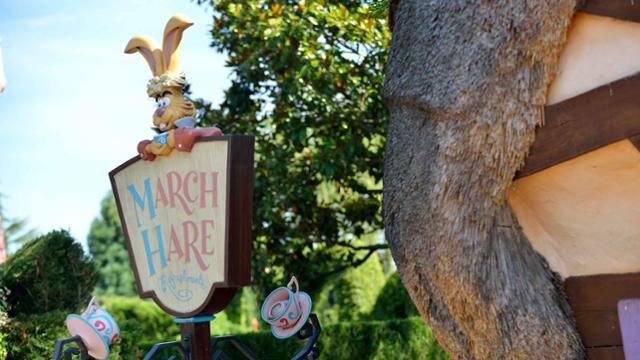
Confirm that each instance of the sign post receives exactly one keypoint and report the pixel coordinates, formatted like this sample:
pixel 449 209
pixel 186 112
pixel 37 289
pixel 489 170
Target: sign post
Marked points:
pixel 187 224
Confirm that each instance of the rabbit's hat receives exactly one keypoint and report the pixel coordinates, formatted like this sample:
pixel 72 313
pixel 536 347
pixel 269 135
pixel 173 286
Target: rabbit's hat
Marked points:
pixel 162 62
pixel 163 81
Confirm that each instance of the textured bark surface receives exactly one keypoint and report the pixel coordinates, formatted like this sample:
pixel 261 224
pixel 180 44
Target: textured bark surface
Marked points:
pixel 465 84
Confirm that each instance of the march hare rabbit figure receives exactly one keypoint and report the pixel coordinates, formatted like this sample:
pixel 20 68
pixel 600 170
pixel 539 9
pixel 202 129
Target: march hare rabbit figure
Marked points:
pixel 174 118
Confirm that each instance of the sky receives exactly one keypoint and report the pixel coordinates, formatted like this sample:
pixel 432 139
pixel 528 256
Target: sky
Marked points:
pixel 75 106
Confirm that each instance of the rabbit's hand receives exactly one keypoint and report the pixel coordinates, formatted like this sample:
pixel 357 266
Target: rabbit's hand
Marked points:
pixel 161 145
pixel 185 138
pixel 159 149
pixel 143 152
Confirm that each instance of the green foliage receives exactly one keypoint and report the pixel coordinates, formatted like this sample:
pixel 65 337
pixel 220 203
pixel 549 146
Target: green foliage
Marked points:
pixel 155 324
pixel 129 345
pixel 14 230
pixel 34 336
pixel 106 245
pixel 141 322
pixel 351 295
pixel 159 326
pixel 397 339
pixel 306 80
pixel 381 7
pixel 4 292
pixel 48 273
pixel 240 313
pixel 393 302
pixel 224 325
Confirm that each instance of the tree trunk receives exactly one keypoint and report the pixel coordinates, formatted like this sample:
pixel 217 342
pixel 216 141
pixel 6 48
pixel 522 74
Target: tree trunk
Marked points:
pixel 466 84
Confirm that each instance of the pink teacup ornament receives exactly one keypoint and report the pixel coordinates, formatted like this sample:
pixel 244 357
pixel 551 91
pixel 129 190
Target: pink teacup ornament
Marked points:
pixel 96 327
pixel 287 311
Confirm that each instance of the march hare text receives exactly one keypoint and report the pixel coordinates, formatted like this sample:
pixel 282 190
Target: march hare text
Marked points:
pixel 186 240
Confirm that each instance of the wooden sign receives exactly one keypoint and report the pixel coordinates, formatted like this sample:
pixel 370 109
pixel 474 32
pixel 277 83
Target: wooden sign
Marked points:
pixel 187 223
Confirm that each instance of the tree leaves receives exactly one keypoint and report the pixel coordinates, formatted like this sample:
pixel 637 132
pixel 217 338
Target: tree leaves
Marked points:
pixel 106 245
pixel 16 231
pixel 307 81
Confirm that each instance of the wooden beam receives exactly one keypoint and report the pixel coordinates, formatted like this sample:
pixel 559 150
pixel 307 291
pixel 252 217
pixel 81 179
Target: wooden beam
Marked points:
pixel 636 141
pixel 620 9
pixel 605 353
pixel 586 122
pixel 594 301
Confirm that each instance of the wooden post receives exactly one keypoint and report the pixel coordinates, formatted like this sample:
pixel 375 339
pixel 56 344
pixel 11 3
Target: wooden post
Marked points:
pixel 196 339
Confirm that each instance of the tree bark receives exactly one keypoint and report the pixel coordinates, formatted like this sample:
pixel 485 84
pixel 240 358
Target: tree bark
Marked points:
pixel 465 85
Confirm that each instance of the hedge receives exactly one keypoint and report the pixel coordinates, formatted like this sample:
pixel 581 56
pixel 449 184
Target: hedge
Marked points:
pixel 393 301
pixel 142 324
pixel 158 325
pixel 351 295
pixel 48 273
pixel 33 337
pixel 396 339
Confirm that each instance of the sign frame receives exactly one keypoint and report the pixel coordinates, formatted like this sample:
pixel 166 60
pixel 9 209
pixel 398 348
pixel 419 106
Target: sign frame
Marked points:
pixel 238 219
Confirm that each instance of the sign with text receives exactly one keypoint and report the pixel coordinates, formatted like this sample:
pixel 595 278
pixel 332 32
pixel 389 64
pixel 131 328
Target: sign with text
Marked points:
pixel 187 223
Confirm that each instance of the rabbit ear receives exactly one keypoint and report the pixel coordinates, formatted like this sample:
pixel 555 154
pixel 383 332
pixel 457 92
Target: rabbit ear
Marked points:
pixel 149 50
pixel 172 36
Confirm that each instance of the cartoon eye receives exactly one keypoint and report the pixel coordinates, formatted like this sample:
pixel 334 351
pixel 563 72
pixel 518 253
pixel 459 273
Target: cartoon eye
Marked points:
pixel 165 101
pixel 159 103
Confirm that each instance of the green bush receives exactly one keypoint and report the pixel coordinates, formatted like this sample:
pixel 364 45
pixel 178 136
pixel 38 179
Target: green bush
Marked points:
pixel 48 273
pixel 158 326
pixel 397 339
pixel 129 345
pixel 34 336
pixel 108 250
pixel 239 315
pixel 351 295
pixel 3 294
pixel 155 323
pixel 393 302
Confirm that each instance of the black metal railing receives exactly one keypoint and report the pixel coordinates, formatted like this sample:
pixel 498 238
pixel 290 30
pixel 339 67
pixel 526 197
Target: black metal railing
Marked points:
pixel 309 332
pixel 181 346
pixel 59 352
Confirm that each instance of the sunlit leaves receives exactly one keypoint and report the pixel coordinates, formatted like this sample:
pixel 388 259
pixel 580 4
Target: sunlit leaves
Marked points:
pixel 306 80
